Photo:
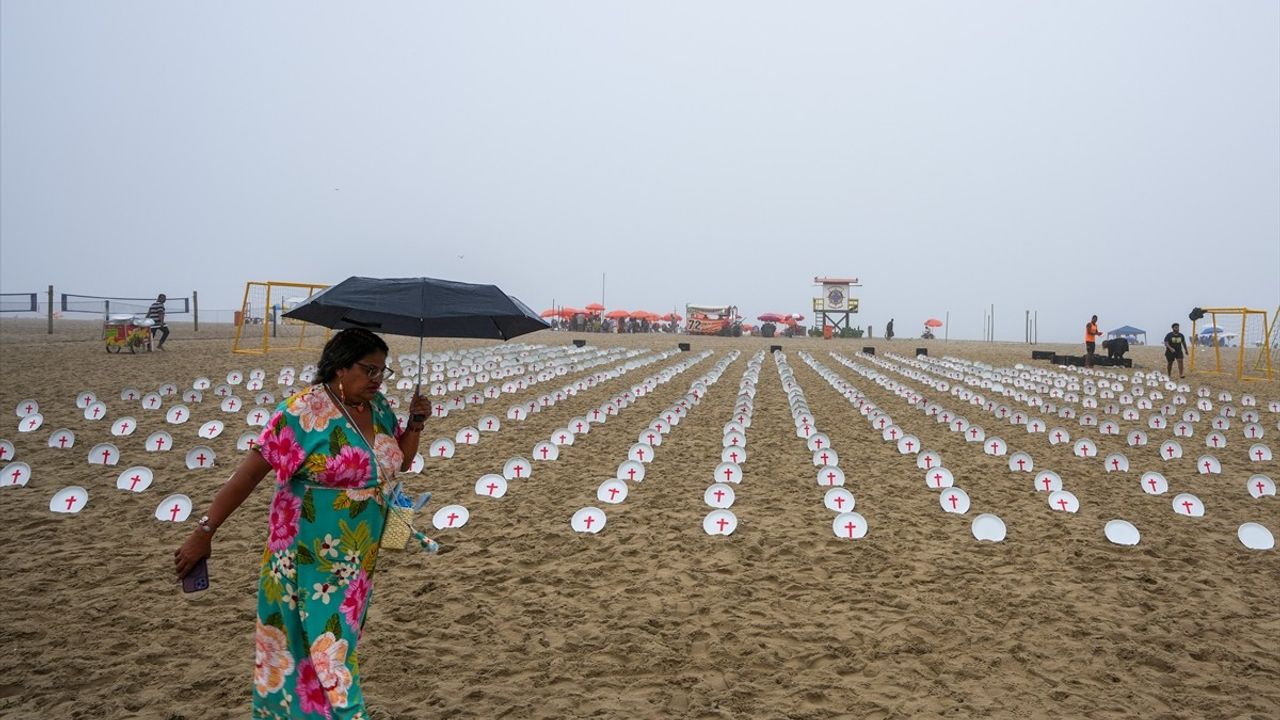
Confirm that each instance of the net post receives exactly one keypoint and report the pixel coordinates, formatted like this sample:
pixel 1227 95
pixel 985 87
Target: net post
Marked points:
pixel 50 309
pixel 195 311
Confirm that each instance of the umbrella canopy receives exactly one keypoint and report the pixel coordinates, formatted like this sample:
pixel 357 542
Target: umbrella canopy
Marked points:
pixel 594 308
pixel 1127 330
pixel 933 322
pixel 419 307
pixel 1212 329
pixel 617 314
pixel 672 317
pixel 644 315
pixel 771 317
pixel 568 312
pixel 550 312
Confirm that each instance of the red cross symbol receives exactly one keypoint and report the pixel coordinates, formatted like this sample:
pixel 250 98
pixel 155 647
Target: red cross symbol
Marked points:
pixel 595 414
pixel 489 424
pixel 71 500
pixel 613 492
pixel 97 411
pixel 518 469
pixel 106 455
pixel 893 434
pixel 31 424
pixel 62 441
pixel 544 450
pixel 1022 464
pixel 3 450
pixel 1214 439
pixel 1253 432
pixel 1207 465
pixel 1260 486
pixel 17 474
pixel 995 446
pixel 173 512
pixel 640 454
pixel 29 408
pixel 824 458
pixel 1258 453
pixel 578 426
pixel 805 427
pixel 467 437
pixel 131 396
pixel 517 412
pixel 1048 483
pixel 1057 436
pixel 1168 450
pixel 1153 483
pixel 650 437
pixel 474 398
pixel 946 417
pixel 451 517
pixel 728 474
pixel 1156 422
pixel 937 479
pixel 152 402
pixel 124 427
pixel 1187 504
pixel 1062 503
pixel 631 474
pixel 588 520
pixel 133 482
pixel 257 417
pixel 959 425
pixel 1084 450
pixel 201 458
pixel 734 440
pixel 910 445
pixel 231 405
pixel 443 449
pixel 177 415
pixel 850 527
pixel 720 495
pixel 493 486
pixel 928 462
pixel 839 500
pixel 883 422
pixel 722 522
pixel 159 443
pixel 1115 464
pixel 439 409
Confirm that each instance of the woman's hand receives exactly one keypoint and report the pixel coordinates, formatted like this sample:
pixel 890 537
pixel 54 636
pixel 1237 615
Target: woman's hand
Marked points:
pixel 197 546
pixel 418 406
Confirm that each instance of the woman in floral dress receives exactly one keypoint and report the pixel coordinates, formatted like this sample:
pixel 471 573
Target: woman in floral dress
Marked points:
pixel 333 449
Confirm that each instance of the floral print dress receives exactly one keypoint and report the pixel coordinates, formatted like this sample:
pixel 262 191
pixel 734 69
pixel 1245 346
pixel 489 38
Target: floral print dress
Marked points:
pixel 327 517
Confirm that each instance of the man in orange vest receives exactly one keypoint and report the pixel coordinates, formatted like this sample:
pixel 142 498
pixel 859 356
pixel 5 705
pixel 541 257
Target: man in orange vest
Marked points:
pixel 1090 340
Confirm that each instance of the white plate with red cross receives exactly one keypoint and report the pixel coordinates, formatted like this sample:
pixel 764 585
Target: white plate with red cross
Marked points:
pixel 177 415
pixel 135 479
pixel 545 452
pixel 15 474
pixel 1208 465
pixel 491 486
pixel 719 495
pixel 517 468
pixel 727 472
pixel 939 478
pixel 69 500
pixel 1047 481
pixel 27 408
pixel 928 460
pixel 201 457
pixel 630 471
pixel 450 517
pixel 1021 462
pixel 720 522
pixel 104 454
pixel 30 423
pixel 85 399
pixel 612 491
pixel 588 520
pixel 830 476
pixel 62 439
pixel 97 410
pixel 1154 483
pixel 1259 452
pixel 736 455
pixel 175 508
pixel 1063 501
pixel 489 423
pixel 954 500
pixel 1260 486
pixel 849 526
pixel 641 452
pixel 211 429
pixel 1058 436
pixel 6 451
pixel 1188 505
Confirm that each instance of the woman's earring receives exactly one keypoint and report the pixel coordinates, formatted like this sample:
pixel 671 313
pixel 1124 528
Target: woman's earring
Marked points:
pixel 342 395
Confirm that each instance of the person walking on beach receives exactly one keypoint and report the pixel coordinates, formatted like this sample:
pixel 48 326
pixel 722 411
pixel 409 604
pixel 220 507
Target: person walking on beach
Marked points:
pixel 888 330
pixel 155 314
pixel 335 449
pixel 1090 340
pixel 1175 345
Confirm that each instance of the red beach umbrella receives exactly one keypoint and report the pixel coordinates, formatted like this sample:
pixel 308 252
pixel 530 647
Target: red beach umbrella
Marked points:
pixel 933 322
pixel 617 314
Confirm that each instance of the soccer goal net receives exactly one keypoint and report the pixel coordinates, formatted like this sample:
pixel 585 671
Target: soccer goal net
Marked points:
pixel 1234 341
pixel 261 326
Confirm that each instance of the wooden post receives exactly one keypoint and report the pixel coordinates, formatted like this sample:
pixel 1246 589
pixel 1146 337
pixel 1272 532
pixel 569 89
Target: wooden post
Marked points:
pixel 195 311
pixel 50 309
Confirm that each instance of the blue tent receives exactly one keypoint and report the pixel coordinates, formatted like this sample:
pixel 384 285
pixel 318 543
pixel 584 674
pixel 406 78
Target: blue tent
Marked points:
pixel 1130 333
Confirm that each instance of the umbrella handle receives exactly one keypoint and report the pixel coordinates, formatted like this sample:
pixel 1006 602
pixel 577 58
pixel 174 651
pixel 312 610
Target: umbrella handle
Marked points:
pixel 418 384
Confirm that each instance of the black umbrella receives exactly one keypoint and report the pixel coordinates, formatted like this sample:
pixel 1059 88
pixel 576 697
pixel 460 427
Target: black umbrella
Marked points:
pixel 419 307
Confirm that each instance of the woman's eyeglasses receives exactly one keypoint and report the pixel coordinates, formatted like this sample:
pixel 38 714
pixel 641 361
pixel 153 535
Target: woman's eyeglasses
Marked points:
pixel 377 373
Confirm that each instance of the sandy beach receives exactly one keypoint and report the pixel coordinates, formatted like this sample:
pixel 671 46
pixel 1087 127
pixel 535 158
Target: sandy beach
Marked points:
pixel 522 618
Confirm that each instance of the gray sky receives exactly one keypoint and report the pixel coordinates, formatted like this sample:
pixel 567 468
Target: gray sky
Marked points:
pixel 1073 157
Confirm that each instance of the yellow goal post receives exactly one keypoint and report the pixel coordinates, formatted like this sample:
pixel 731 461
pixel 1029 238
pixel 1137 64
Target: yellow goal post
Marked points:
pixel 1237 340
pixel 260 323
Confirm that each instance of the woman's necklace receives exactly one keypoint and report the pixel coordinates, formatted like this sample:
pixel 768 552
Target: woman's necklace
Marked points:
pixel 340 401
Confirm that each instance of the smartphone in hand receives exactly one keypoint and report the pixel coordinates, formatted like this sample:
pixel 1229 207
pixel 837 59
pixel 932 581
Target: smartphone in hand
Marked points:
pixel 198 578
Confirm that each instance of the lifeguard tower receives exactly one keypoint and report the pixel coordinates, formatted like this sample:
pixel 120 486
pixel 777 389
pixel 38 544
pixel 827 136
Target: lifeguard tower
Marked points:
pixel 836 303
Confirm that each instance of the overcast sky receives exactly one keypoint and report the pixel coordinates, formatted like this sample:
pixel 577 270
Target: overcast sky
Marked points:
pixel 1118 158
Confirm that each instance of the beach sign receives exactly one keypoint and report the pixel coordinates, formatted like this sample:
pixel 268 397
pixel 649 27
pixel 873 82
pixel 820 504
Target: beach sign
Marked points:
pixel 988 528
pixel 159 441
pixel 175 508
pixel 177 415
pixel 491 486
pixel 954 500
pixel 517 468
pixel 62 439
pixel 69 500
pixel 211 429
pixel 720 522
pixel 1255 536
pixel 727 472
pixel 6 451
pixel 104 454
pixel 135 479
pixel 736 455
pixel 1260 486
pixel 630 470
pixel 30 423
pixel 1188 504
pixel 450 517
pixel 938 478
pixel 15 474
pixel 588 520
pixel 1153 483
pixel 27 408
pixel 849 526
pixel 1122 532
pixel 200 457
pixel 612 491
pixel 838 500
pixel 1063 501
pixel 830 476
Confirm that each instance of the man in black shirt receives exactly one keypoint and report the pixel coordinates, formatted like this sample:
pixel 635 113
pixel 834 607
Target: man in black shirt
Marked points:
pixel 156 315
pixel 1175 345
